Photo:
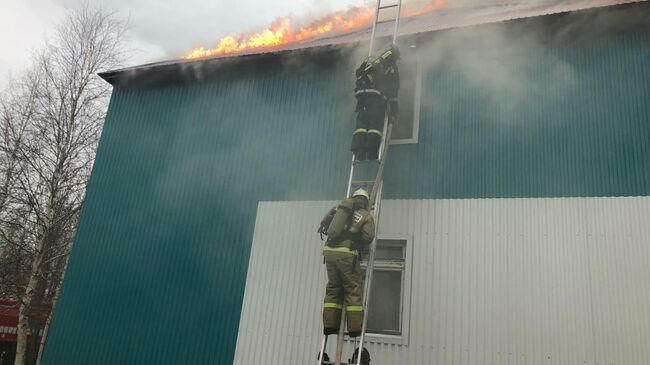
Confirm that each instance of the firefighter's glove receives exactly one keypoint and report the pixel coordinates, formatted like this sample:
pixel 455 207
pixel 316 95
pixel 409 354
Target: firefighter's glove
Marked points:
pixel 365 248
pixel 359 218
pixel 359 72
pixel 322 231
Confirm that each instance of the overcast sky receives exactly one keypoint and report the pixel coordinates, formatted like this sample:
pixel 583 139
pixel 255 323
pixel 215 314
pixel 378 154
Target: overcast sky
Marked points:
pixel 159 29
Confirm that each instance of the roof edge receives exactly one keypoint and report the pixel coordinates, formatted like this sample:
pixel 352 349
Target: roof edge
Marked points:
pixel 348 39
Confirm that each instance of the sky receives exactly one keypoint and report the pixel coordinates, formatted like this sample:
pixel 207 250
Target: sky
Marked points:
pixel 158 29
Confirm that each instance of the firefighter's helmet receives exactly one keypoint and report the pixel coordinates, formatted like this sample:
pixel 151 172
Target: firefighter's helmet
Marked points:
pixel 361 192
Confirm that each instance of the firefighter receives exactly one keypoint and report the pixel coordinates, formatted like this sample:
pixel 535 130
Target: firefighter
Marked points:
pixel 376 91
pixel 341 252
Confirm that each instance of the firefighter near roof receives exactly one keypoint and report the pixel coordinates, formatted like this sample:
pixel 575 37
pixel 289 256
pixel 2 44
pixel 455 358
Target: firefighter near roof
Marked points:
pixel 350 229
pixel 377 85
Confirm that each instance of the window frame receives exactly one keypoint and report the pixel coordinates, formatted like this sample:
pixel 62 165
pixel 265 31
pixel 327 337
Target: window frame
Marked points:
pixel 402 339
pixel 417 95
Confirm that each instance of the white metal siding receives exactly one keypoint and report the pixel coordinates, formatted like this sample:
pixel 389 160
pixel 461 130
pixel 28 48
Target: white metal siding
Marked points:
pixel 495 281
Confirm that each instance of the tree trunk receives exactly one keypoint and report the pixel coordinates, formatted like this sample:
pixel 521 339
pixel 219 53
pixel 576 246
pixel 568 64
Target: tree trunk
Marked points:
pixel 31 290
pixel 26 306
pixel 48 320
pixel 35 328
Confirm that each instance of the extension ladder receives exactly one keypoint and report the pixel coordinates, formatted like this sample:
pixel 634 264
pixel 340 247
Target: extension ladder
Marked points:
pixel 375 186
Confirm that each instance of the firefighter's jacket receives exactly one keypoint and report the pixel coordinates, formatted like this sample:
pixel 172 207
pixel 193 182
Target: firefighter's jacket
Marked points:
pixel 377 77
pixel 354 242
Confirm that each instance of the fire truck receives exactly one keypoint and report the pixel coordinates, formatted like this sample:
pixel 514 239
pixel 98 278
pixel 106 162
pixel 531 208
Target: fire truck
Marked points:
pixel 9 327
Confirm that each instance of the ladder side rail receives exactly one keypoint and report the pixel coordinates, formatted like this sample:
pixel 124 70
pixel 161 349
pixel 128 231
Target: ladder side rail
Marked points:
pixel 371 253
pixel 341 336
pixel 322 350
pixel 339 347
pixel 380 173
pixel 374 28
pixel 376 194
pixel 383 137
pixel 348 192
pixel 369 274
pixel 399 13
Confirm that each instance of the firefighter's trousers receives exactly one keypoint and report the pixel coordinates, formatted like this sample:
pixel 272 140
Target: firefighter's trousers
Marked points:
pixel 370 124
pixel 343 282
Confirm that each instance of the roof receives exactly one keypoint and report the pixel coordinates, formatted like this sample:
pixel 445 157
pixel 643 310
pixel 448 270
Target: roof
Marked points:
pixel 437 20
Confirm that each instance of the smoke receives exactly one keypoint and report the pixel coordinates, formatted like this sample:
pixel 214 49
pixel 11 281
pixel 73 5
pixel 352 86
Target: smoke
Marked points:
pixel 257 108
pixel 495 65
pixel 498 65
pixel 508 67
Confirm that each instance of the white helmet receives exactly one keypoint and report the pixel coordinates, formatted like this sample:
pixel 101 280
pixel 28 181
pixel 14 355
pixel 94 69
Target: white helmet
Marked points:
pixel 361 192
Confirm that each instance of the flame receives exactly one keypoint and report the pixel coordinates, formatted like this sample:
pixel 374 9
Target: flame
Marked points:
pixel 282 32
pixel 427 8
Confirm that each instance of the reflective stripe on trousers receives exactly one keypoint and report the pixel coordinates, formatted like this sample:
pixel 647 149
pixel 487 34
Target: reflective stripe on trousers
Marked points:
pixel 340 249
pixel 334 306
pixel 368 91
pixel 375 131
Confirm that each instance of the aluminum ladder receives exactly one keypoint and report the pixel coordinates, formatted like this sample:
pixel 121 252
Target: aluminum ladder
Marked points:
pixel 375 187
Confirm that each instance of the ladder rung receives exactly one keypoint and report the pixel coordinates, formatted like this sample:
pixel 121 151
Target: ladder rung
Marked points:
pixel 386 21
pixel 362 182
pixel 377 161
pixel 388 6
pixel 363 162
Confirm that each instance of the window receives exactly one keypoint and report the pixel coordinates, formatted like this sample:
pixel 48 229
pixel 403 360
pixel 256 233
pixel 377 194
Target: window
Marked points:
pixel 390 292
pixel 406 128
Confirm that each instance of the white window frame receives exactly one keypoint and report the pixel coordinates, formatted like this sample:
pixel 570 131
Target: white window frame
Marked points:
pixel 416 105
pixel 402 339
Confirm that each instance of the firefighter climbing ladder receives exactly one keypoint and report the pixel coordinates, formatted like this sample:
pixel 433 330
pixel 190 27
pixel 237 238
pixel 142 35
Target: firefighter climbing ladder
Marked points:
pixel 376 186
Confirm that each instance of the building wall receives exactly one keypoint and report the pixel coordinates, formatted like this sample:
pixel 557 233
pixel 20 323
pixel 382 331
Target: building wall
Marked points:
pixel 529 117
pixel 493 281
pixel 158 271
pixel 159 265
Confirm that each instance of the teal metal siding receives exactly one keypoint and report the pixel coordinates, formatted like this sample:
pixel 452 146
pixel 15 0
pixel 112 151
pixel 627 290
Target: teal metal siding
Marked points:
pixel 158 270
pixel 579 125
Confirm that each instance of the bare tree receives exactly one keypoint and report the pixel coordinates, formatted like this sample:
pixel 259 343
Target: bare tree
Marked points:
pixel 49 138
pixel 17 112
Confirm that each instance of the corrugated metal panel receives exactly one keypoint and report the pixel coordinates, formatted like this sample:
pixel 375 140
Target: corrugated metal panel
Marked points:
pixel 157 274
pixel 495 281
pixel 284 286
pixel 505 116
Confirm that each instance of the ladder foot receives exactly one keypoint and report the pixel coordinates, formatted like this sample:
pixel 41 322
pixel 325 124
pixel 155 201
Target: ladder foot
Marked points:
pixel 325 358
pixel 365 357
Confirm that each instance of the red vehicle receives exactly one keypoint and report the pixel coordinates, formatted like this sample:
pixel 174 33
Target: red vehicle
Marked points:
pixel 8 327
